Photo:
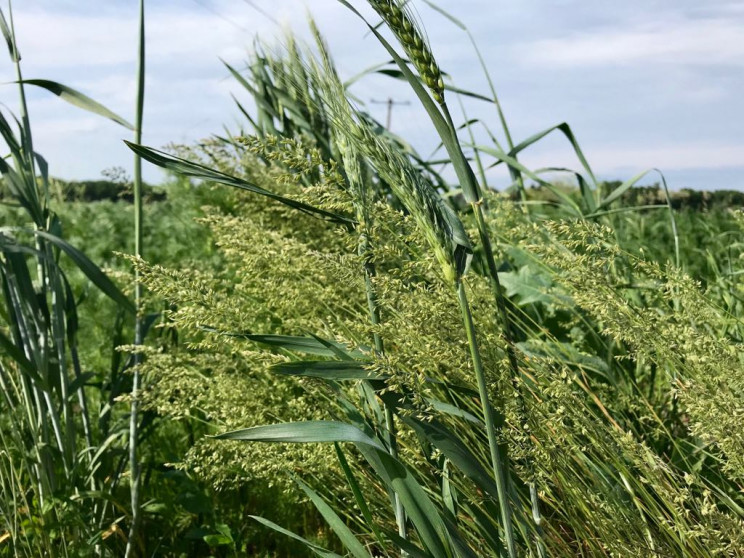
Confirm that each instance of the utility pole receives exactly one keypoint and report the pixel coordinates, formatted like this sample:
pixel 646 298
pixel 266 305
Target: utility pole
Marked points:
pixel 390 103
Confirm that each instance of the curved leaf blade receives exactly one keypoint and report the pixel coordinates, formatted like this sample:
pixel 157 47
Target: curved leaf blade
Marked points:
pixel 9 39
pixel 565 129
pixel 327 370
pixel 294 343
pixel 457 452
pixel 304 432
pixel 78 99
pixel 334 521
pixel 21 361
pixel 358 496
pixel 201 172
pixel 515 165
pixel 620 190
pixel 318 550
pixel 419 508
pixel 91 271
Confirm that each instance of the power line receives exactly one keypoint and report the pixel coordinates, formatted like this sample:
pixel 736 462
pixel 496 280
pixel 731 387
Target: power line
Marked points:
pixel 261 11
pixel 390 103
pixel 220 15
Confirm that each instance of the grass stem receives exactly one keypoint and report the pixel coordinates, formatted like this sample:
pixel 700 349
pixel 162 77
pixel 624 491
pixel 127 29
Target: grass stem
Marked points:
pixel 134 467
pixel 510 339
pixel 499 460
pixel 374 314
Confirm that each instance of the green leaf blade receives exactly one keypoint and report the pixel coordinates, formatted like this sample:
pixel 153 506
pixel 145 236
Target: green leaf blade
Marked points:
pixel 201 172
pixel 304 432
pixel 334 521
pixel 78 99
pixel 327 370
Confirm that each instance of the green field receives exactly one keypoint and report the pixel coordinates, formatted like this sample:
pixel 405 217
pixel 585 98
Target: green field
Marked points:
pixel 311 341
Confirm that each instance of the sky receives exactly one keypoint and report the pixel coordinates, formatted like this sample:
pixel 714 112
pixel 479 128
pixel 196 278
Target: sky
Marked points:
pixel 643 84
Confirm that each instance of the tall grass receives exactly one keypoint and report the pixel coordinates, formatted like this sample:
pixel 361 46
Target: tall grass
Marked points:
pixel 61 464
pixel 443 373
pixel 597 464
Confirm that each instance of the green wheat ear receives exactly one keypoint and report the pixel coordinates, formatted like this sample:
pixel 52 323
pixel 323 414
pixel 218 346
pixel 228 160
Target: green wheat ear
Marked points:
pixel 438 222
pixel 401 23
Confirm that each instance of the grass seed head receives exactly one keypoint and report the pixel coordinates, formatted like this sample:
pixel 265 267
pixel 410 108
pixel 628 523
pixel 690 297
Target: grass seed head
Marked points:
pixel 401 23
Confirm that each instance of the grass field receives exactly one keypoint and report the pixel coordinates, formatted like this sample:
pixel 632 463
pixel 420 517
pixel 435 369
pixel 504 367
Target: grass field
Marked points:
pixel 310 342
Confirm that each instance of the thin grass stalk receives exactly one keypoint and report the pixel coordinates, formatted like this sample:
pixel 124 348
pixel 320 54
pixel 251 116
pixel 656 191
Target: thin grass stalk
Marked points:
pixel 400 514
pixel 672 220
pixel 328 83
pixel 134 467
pixel 27 151
pixel 67 449
pixel 32 393
pixel 83 401
pixel 502 309
pixel 372 301
pixel 510 339
pixel 27 141
pixel 468 178
pixel 499 455
pixel 70 340
pixel 27 159
pixel 62 426
pixel 450 246
pixel 10 481
pixel 42 398
pixel 494 424
pixel 33 467
pixel 374 315
pixel 494 100
pixel 473 194
pixel 476 152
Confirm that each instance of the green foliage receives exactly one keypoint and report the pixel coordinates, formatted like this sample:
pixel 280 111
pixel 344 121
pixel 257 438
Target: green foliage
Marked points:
pixel 613 434
pixel 54 455
pixel 573 390
pixel 618 353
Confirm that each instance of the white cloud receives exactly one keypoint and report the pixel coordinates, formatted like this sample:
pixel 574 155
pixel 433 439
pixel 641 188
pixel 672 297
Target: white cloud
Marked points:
pixel 60 40
pixel 684 41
